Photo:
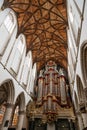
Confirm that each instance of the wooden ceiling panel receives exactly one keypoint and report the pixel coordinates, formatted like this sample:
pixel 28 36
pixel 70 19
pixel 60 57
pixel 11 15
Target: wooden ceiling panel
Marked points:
pixel 44 24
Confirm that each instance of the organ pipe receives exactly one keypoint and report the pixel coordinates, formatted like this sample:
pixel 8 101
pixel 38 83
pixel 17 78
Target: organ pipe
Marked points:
pixel 40 86
pixel 62 88
pixel 52 88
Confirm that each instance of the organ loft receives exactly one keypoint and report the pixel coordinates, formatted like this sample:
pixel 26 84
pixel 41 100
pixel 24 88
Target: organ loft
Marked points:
pixel 51 102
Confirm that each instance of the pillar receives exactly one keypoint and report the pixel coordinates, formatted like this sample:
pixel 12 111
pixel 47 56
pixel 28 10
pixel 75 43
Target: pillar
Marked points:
pixel 84 117
pixel 20 120
pixel 80 122
pixel 7 116
pixel 51 126
pixel 12 115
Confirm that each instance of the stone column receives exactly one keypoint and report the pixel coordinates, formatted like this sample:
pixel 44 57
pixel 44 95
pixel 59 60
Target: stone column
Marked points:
pixel 12 115
pixel 80 122
pixel 84 118
pixel 51 126
pixel 7 116
pixel 20 120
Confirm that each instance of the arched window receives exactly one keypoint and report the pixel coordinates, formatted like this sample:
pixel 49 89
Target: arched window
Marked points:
pixel 29 88
pixel 32 78
pixel 9 22
pixel 34 70
pixel 20 46
pixel 6 30
pixel 26 70
pixel 18 54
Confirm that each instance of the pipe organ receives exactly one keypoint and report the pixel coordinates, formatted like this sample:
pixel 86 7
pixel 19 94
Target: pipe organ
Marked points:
pixel 52 100
pixel 52 89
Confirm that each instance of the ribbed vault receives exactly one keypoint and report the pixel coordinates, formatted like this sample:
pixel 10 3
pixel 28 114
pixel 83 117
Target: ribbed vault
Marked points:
pixel 44 24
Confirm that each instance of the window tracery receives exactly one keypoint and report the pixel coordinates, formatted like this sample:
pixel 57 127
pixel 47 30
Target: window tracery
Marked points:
pixel 9 22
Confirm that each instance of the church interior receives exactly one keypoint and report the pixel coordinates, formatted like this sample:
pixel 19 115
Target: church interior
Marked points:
pixel 43 64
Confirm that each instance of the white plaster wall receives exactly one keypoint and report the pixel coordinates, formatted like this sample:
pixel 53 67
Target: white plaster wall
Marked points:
pixel 6 61
pixel 5 75
pixel 82 40
pixel 78 18
pixel 82 118
pixel 80 4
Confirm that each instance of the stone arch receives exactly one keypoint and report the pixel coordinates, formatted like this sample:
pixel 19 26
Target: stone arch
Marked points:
pixel 84 61
pixel 7 94
pixel 19 107
pixel 80 91
pixel 20 101
pixel 7 91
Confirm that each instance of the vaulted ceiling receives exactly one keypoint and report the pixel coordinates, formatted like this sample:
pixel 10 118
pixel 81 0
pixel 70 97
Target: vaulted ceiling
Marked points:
pixel 44 23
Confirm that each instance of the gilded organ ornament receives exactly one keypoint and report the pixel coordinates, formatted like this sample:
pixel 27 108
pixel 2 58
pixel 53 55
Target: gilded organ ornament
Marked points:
pixel 53 99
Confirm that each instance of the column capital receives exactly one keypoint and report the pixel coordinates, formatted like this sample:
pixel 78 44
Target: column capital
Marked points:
pixel 22 112
pixel 9 105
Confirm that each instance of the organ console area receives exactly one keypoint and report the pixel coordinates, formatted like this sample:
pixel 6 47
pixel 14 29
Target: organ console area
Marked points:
pixel 52 99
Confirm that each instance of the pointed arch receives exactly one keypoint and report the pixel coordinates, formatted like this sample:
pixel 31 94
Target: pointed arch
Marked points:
pixel 20 49
pixel 34 70
pixel 7 91
pixel 19 107
pixel 20 101
pixel 84 61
